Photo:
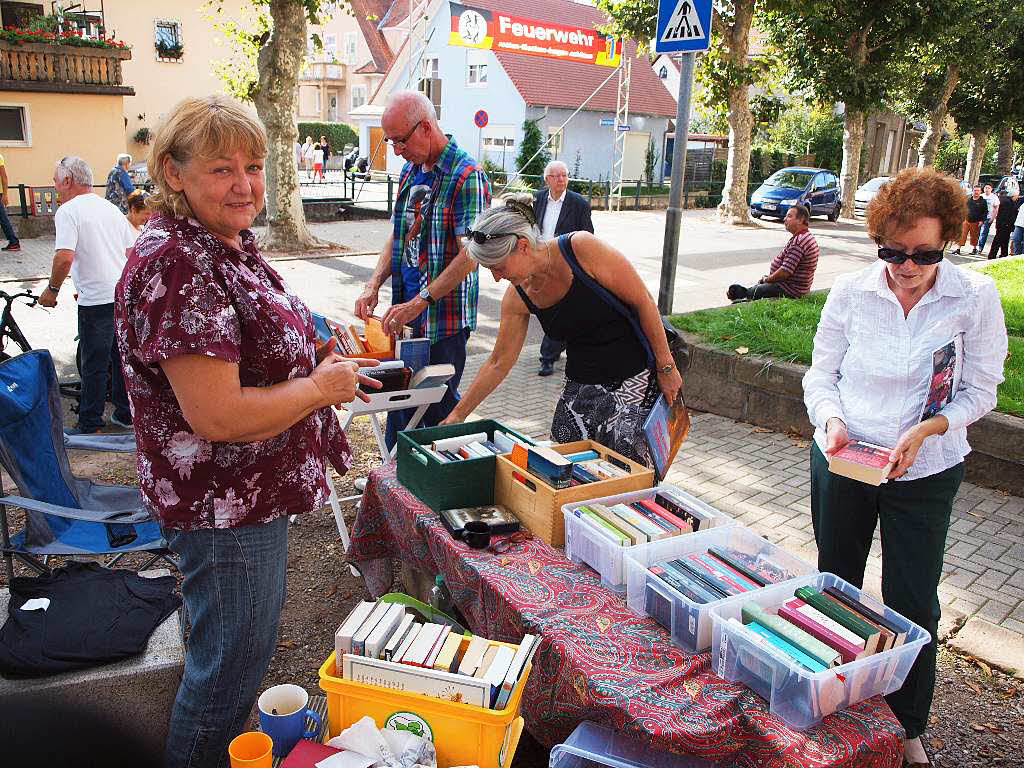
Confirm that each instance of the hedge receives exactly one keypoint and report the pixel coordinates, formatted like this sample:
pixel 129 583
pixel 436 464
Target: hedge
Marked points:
pixel 338 134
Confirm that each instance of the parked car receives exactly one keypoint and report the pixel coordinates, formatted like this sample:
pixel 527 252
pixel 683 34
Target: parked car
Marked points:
pixel 815 188
pixel 867 191
pixel 989 178
pixel 139 174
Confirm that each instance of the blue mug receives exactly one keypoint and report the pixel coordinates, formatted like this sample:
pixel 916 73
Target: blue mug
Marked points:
pixel 283 714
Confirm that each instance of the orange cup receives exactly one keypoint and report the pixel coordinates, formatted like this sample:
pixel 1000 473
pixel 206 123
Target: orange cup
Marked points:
pixel 251 749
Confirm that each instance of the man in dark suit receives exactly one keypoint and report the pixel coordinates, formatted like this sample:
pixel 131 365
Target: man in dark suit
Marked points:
pixel 558 210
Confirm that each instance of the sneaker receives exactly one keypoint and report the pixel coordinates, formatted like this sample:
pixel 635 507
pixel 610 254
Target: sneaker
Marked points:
pixel 974 252
pixel 11 247
pixel 546 368
pixel 736 292
pixel 955 252
pixel 126 423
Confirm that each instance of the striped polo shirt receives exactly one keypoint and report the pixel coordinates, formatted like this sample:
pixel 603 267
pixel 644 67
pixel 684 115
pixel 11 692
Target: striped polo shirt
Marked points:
pixel 800 258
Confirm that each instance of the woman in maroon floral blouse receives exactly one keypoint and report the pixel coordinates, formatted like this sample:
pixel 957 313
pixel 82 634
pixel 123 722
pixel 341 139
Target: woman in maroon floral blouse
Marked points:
pixel 232 407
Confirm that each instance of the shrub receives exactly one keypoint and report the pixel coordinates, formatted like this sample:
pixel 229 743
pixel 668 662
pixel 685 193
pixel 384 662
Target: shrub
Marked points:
pixel 338 134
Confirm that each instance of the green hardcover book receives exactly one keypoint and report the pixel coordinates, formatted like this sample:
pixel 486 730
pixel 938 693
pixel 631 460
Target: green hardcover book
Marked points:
pixel 847 618
pixel 599 521
pixel 809 644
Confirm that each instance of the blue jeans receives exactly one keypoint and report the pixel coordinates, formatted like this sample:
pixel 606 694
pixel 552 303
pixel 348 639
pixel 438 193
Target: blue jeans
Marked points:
pixel 233 588
pixel 5 224
pixel 1018 240
pixel 100 359
pixel 983 235
pixel 451 350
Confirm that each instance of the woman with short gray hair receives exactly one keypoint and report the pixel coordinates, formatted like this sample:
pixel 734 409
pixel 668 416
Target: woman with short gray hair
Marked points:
pixel 119 183
pixel 583 291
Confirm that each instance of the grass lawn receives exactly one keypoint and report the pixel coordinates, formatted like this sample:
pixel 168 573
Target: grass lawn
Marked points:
pixel 784 329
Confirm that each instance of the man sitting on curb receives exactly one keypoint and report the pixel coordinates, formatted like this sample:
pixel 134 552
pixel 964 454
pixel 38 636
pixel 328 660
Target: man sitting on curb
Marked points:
pixel 792 271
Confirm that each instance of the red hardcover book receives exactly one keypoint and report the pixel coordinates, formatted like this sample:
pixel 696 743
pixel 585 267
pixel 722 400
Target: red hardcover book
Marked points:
pixel 697 561
pixel 861 461
pixel 306 754
pixel 664 514
pixel 796 613
pixel 727 571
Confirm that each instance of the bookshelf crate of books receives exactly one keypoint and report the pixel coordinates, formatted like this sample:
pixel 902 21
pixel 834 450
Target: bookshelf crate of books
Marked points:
pixel 463 734
pixel 586 543
pixel 689 621
pixel 797 695
pixel 539 506
pixel 441 485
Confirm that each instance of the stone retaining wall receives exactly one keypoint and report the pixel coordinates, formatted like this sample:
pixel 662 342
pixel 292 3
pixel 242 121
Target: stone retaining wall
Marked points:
pixel 768 393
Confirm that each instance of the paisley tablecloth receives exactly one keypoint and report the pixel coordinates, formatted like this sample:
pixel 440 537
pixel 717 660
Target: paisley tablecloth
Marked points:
pixel 598 660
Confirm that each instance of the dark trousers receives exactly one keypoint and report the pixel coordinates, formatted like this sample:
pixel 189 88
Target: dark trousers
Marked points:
pixel 5 224
pixel 759 291
pixel 1001 242
pixel 551 350
pixel 450 350
pixel 914 516
pixel 99 358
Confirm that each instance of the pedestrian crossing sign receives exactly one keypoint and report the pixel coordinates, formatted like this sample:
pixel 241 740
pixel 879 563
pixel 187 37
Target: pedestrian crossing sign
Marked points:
pixel 683 25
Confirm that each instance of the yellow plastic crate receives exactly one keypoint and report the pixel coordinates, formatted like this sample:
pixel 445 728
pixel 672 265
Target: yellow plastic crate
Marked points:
pixel 463 734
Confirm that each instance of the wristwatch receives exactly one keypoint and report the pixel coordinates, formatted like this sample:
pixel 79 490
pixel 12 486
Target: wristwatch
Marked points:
pixel 425 295
pixel 53 288
pixel 666 368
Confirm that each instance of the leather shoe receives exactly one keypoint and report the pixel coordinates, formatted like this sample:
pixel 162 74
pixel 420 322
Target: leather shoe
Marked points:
pixel 546 368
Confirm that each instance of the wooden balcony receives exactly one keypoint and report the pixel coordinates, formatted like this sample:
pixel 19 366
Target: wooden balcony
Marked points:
pixel 62 69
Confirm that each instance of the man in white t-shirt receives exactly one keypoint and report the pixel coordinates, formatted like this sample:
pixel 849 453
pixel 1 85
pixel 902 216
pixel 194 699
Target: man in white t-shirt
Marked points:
pixel 993 206
pixel 92 239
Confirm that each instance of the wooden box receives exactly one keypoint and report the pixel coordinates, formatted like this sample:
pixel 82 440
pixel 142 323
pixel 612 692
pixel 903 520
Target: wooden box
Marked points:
pixel 540 509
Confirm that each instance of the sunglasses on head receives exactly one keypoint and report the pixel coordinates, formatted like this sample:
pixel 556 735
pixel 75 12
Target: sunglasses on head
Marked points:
pixel 482 237
pixel 922 259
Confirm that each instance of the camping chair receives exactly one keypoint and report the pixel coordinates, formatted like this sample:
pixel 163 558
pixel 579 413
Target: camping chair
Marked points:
pixel 64 514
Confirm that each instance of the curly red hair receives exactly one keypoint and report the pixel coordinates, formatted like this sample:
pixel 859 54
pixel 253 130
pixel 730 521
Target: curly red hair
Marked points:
pixel 916 193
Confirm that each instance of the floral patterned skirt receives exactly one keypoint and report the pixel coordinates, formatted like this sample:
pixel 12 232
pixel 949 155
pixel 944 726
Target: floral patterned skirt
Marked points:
pixel 611 414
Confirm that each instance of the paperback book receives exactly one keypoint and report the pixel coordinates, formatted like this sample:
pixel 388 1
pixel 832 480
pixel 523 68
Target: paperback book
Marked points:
pixel 863 461
pixel 665 429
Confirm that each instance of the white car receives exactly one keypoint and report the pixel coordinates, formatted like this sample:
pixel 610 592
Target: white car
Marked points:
pixel 866 192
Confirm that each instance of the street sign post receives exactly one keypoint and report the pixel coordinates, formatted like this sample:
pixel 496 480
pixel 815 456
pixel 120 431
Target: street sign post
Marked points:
pixel 480 120
pixel 683 26
pixel 624 127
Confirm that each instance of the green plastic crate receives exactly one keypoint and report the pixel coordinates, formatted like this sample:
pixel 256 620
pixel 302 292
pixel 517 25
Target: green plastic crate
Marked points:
pixel 447 485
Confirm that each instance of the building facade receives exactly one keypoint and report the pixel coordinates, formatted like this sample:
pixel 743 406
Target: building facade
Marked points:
pixel 511 88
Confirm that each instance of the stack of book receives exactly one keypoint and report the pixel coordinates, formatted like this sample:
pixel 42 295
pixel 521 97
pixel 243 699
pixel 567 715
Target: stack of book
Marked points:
pixel 567 470
pixel 639 522
pixel 373 340
pixel 473 446
pixel 821 630
pixel 717 573
pixel 396 376
pixel 382 644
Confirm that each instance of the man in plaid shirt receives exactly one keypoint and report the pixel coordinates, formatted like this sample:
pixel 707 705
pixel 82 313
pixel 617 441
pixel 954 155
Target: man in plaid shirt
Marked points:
pixel 434 285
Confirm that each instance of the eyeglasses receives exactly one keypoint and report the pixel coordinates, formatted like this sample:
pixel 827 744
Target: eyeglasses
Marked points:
pixel 482 237
pixel 922 259
pixel 404 139
pixel 504 544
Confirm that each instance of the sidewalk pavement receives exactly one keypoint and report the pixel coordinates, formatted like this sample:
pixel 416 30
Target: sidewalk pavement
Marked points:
pixel 762 479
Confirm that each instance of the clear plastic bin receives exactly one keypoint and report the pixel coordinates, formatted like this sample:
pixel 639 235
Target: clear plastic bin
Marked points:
pixel 592 745
pixel 583 544
pixel 796 695
pixel 689 623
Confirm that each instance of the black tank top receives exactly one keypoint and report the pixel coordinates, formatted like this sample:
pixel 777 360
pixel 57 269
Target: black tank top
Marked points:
pixel 601 346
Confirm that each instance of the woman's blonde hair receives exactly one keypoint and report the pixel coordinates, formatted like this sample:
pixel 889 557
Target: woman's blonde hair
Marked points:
pixel 205 127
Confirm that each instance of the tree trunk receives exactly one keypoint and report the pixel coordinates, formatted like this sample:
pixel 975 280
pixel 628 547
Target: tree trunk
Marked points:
pixel 975 156
pixel 734 207
pixel 853 141
pixel 936 117
pixel 278 63
pixel 1004 164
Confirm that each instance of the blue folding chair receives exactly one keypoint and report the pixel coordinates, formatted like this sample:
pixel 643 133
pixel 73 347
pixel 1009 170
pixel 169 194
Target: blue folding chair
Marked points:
pixel 64 514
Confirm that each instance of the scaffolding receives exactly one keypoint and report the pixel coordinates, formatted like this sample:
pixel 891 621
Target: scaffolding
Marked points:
pixel 621 129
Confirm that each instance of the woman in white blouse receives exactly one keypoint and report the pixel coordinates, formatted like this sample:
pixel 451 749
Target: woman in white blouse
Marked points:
pixel 882 332
pixel 138 212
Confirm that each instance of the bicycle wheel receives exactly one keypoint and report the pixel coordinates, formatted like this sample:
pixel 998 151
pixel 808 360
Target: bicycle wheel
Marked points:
pixel 12 340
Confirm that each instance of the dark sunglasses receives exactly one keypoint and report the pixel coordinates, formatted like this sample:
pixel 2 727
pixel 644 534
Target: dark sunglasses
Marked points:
pixel 922 259
pixel 482 237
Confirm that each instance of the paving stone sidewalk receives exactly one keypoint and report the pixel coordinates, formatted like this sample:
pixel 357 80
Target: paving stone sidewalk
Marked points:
pixel 761 478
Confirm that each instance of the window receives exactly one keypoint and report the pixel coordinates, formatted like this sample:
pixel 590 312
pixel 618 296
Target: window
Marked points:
pixel 331 47
pixel 831 182
pixel 351 48
pixel 317 104
pixel 476 67
pixel 14 127
pixel 20 14
pixel 819 182
pixel 555 142
pixel 428 68
pixel 358 96
pixel 663 72
pixel 499 138
pixel 168 39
